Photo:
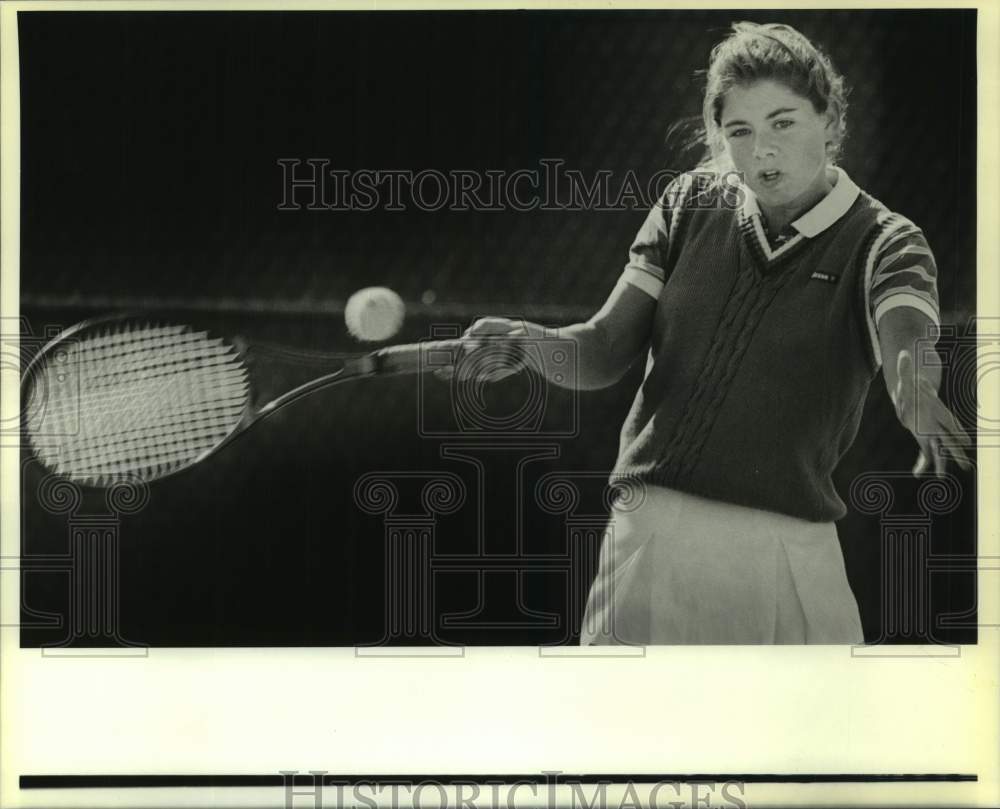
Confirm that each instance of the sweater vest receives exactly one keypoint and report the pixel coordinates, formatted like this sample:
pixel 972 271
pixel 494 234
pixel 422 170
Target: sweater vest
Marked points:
pixel 759 366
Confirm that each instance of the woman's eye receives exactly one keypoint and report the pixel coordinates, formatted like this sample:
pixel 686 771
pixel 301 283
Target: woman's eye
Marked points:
pixel 784 123
pixel 739 133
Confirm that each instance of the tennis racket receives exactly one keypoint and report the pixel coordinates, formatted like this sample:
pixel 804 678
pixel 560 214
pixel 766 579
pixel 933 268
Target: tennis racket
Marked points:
pixel 125 399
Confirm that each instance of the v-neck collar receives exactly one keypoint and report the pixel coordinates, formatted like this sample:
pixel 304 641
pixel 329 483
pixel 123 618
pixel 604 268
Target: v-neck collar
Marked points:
pixel 809 225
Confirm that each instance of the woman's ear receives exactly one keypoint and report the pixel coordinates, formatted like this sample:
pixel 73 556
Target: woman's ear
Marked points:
pixel 830 129
pixel 832 119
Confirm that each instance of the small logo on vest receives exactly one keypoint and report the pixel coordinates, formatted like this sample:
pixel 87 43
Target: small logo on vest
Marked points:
pixel 829 277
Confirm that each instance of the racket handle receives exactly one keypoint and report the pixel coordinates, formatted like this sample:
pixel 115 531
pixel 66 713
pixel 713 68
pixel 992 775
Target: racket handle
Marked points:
pixel 413 358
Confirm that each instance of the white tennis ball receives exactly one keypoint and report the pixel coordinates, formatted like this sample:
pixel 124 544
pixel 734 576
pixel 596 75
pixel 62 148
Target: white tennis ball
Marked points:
pixel 374 314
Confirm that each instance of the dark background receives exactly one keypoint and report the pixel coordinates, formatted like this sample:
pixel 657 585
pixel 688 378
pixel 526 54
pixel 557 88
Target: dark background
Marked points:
pixel 150 181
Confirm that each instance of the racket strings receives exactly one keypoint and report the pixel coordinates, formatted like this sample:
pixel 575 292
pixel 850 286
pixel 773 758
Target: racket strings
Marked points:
pixel 168 456
pixel 181 352
pixel 136 401
pixel 146 448
pixel 191 422
pixel 155 382
pixel 124 445
pixel 102 366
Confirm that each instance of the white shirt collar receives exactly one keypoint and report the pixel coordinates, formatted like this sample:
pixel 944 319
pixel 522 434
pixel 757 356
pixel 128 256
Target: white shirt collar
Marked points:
pixel 823 214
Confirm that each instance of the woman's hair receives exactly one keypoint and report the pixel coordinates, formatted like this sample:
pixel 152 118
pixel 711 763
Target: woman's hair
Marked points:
pixel 777 52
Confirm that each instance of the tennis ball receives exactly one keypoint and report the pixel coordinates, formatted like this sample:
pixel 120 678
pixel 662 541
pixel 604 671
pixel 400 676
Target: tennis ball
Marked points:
pixel 374 314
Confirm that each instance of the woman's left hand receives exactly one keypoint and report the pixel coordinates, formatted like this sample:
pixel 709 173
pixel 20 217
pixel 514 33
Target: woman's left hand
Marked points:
pixel 932 424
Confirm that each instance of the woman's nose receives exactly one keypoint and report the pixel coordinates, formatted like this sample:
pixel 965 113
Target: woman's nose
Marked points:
pixel 763 148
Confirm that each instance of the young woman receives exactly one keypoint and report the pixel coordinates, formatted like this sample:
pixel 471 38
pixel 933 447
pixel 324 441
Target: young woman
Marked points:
pixel 769 290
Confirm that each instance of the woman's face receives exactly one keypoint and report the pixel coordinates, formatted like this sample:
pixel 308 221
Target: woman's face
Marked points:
pixel 778 142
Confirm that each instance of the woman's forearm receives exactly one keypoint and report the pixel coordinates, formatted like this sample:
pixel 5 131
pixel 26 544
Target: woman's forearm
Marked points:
pixel 908 329
pixel 603 348
pixel 582 356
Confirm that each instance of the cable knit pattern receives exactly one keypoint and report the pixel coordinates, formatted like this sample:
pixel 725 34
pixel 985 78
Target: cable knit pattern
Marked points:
pixel 763 296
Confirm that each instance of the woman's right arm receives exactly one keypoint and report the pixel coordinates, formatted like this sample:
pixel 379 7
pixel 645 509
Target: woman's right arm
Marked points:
pixel 606 344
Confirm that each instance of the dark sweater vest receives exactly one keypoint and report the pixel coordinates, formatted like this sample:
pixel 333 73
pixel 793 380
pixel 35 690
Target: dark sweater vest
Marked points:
pixel 758 369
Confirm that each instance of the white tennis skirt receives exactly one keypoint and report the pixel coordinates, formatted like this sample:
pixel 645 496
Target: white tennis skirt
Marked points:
pixel 681 569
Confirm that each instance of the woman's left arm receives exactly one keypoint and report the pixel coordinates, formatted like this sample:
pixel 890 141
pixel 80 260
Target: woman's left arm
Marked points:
pixel 913 376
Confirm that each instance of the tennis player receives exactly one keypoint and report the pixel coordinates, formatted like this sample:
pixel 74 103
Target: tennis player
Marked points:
pixel 768 289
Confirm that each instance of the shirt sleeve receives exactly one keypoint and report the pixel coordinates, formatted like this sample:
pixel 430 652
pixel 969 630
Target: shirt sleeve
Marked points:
pixel 648 254
pixel 904 274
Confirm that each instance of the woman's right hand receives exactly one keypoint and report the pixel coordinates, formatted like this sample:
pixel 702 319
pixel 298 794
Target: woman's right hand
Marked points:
pixel 493 349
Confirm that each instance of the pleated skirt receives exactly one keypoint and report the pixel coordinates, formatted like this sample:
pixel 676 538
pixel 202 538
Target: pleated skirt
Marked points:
pixel 682 569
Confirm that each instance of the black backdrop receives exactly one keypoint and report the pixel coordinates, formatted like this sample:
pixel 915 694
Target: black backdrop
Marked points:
pixel 150 179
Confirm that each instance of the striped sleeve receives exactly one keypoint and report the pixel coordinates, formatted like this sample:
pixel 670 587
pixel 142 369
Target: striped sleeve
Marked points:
pixel 647 255
pixel 901 271
pixel 904 274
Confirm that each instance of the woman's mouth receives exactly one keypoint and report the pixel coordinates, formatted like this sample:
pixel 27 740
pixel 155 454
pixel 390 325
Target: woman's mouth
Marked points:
pixel 769 179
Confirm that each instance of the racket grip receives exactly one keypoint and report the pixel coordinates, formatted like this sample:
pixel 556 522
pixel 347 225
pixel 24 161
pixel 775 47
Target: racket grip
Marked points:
pixel 414 358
